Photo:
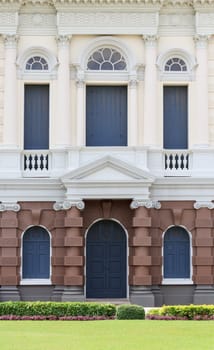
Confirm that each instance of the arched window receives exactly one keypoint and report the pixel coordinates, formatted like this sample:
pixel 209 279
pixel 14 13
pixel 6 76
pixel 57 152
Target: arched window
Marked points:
pixel 176 253
pixel 36 63
pixel 106 58
pixel 36 254
pixel 175 64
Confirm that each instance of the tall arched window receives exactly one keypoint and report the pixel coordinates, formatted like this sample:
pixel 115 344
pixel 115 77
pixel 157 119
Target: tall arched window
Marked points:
pixel 106 105
pixel 36 254
pixel 176 253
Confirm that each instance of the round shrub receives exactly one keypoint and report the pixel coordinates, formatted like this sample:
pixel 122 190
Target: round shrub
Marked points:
pixel 130 312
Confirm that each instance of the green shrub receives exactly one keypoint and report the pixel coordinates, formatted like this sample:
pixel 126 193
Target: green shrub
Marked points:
pixel 130 312
pixel 22 308
pixel 188 311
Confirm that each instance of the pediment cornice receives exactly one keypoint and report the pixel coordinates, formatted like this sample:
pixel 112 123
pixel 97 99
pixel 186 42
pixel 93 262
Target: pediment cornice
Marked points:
pixel 125 171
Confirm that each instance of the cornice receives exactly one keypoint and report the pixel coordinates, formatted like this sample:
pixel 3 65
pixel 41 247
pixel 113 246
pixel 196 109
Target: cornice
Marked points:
pixel 148 4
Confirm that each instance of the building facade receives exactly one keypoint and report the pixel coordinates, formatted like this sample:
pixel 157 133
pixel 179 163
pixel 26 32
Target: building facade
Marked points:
pixel 107 150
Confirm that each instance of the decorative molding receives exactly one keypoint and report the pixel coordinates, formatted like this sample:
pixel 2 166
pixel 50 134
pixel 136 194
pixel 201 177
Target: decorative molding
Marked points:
pixel 9 206
pixel 107 21
pixel 80 83
pixel 150 40
pixel 149 204
pixel 51 73
pixel 200 204
pixel 10 41
pixel 8 20
pixel 201 41
pixel 176 76
pixel 133 82
pixel 63 40
pixel 39 23
pixel 68 205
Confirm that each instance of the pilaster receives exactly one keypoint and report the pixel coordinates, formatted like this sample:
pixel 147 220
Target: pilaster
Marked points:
pixel 10 133
pixel 140 257
pixel 74 252
pixel 80 111
pixel 133 112
pixel 203 263
pixel 202 120
pixel 150 91
pixel 9 252
pixel 63 115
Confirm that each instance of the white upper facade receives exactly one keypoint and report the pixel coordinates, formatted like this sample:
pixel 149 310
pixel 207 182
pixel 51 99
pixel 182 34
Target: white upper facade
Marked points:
pixel 149 48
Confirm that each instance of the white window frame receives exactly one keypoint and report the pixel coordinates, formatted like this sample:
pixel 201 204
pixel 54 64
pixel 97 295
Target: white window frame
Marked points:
pixel 26 74
pixel 187 75
pixel 35 281
pixel 129 78
pixel 178 281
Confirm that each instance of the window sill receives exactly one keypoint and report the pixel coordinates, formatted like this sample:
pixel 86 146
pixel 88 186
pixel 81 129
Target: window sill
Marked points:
pixel 36 281
pixel 175 281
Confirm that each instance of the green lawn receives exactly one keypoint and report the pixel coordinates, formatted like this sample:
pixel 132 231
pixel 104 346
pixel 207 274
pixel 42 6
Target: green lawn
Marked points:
pixel 107 335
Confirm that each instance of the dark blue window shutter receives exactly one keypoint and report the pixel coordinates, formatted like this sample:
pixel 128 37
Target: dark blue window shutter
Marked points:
pixel 106 116
pixel 175 117
pixel 176 253
pixel 36 253
pixel 36 117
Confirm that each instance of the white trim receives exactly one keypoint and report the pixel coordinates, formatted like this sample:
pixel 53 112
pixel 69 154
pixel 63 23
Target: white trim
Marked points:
pixel 35 80
pixel 178 280
pixel 22 73
pixel 33 281
pixel 108 41
pixel 176 76
pixel 127 252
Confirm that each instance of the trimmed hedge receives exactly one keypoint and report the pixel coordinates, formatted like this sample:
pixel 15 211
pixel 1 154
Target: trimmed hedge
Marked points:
pixel 130 312
pixel 188 312
pixel 58 309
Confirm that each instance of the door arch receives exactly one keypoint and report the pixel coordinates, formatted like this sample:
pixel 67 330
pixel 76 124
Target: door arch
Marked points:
pixel 106 260
pixel 36 253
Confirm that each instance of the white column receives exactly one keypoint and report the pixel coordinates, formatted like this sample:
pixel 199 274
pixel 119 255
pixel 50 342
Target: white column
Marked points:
pixel 10 131
pixel 150 91
pixel 201 118
pixel 80 113
pixel 63 115
pixel 132 112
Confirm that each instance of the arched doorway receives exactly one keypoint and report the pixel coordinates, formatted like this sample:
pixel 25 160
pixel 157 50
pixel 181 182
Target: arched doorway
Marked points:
pixel 176 253
pixel 106 260
pixel 36 253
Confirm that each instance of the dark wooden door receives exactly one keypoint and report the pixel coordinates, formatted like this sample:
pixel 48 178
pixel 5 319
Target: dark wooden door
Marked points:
pixel 106 116
pixel 36 253
pixel 176 253
pixel 175 117
pixel 36 117
pixel 106 261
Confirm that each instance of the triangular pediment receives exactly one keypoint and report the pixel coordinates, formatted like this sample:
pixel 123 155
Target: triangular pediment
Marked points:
pixel 108 169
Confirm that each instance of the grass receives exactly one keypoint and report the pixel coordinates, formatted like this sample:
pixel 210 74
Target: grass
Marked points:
pixel 106 335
